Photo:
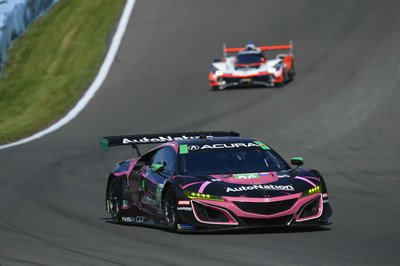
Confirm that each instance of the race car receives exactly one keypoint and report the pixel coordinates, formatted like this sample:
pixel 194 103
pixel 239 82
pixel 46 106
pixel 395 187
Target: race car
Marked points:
pixel 250 67
pixel 212 181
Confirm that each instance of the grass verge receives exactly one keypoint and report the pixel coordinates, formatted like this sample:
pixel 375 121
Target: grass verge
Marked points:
pixel 52 64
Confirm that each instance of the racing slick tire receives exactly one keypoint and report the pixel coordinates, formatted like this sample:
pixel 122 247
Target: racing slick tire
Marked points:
pixel 115 200
pixel 217 88
pixel 281 84
pixel 291 73
pixel 170 212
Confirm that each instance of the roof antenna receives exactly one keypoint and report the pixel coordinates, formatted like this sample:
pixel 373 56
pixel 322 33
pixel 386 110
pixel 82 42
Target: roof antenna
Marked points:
pixel 203 136
pixel 134 146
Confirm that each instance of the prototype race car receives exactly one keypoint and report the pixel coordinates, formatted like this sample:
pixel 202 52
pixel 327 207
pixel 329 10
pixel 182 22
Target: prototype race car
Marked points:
pixel 250 67
pixel 211 181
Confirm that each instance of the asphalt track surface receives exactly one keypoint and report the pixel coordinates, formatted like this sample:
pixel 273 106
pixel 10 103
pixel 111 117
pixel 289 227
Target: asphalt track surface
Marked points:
pixel 341 113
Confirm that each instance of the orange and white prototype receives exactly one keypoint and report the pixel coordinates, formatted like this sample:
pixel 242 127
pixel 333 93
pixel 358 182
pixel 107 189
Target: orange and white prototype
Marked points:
pixel 251 67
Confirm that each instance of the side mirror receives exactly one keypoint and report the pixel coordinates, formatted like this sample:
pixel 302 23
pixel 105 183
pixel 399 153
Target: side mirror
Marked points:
pixel 298 161
pixel 157 168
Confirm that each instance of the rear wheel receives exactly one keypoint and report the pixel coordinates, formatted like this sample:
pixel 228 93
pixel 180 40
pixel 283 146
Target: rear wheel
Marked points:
pixel 171 215
pixel 115 200
pixel 292 72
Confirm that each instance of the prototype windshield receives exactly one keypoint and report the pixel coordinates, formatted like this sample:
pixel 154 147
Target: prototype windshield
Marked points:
pixel 249 58
pixel 224 160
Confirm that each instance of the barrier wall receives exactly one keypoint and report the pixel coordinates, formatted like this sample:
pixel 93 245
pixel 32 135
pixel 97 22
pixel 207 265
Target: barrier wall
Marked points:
pixel 15 16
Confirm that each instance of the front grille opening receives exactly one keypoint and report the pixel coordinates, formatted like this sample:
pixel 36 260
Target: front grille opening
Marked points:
pixel 311 209
pixel 279 221
pixel 209 214
pixel 265 208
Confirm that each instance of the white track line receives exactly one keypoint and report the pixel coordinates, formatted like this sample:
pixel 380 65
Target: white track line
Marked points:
pixel 98 81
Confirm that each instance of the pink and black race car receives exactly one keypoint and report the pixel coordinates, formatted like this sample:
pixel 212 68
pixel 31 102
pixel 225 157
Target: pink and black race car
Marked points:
pixel 212 181
pixel 251 67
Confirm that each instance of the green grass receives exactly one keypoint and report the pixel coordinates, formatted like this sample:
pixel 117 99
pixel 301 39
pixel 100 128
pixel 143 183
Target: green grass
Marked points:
pixel 53 63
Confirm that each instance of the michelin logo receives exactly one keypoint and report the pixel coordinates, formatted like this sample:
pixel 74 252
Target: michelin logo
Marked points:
pixel 256 187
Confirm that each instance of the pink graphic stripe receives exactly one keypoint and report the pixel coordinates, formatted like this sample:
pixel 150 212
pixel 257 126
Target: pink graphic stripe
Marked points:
pixel 305 179
pixel 204 186
pixel 185 186
pixel 315 178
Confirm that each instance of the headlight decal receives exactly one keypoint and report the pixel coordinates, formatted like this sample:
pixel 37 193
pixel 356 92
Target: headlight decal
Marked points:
pixel 204 196
pixel 311 191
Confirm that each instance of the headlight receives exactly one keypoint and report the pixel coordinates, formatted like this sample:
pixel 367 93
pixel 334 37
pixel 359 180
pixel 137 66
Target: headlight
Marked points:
pixel 197 195
pixel 311 191
pixel 219 72
pixel 271 70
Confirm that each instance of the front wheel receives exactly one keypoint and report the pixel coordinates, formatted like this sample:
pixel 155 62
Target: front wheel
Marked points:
pixel 115 200
pixel 281 84
pixel 170 212
pixel 217 88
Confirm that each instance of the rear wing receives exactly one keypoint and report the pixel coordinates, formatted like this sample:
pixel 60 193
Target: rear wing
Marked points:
pixel 263 48
pixel 133 140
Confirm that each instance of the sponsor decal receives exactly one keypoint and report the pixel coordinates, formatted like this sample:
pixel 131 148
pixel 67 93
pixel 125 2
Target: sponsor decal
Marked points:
pixel 193 147
pixel 252 51
pixel 184 202
pixel 246 176
pixel 159 139
pixel 263 174
pixel 265 187
pixel 222 146
pixel 159 192
pixel 186 227
pixel 262 145
pixel 148 200
pixel 183 149
pixel 137 219
pixel 127 219
pixel 184 209
pixel 325 195
pixel 125 203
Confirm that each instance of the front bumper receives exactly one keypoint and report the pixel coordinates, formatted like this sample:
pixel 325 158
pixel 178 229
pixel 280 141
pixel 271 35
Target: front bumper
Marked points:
pixel 225 82
pixel 290 212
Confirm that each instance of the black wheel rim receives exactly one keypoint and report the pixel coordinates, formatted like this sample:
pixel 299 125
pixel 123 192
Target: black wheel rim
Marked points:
pixel 170 209
pixel 113 197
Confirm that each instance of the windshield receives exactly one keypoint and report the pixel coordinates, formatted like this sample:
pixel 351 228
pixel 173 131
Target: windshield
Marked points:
pixel 249 58
pixel 231 161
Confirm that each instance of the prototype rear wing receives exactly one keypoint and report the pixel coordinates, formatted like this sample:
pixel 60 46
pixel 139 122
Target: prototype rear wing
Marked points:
pixel 263 48
pixel 133 140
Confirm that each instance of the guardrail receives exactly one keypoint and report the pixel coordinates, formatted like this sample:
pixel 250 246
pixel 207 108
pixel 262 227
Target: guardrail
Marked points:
pixel 15 16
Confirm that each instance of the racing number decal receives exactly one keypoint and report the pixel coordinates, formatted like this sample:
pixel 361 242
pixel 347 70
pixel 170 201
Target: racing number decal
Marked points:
pixel 246 176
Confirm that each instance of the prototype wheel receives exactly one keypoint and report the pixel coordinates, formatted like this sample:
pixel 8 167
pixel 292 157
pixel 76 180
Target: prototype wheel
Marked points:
pixel 115 200
pixel 217 88
pixel 280 84
pixel 292 72
pixel 170 204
